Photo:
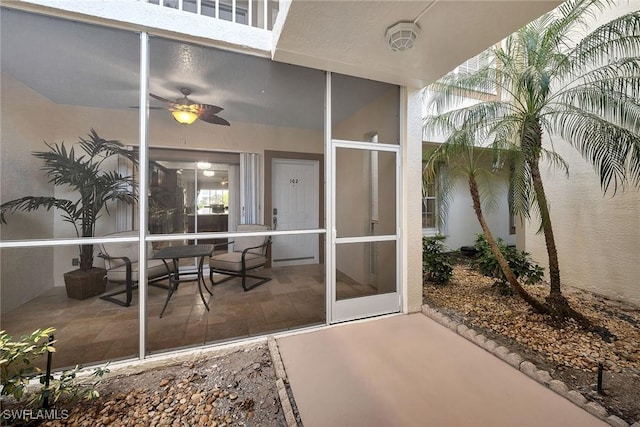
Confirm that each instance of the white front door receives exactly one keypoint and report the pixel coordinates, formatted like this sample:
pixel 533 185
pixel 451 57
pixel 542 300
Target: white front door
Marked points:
pixel 295 207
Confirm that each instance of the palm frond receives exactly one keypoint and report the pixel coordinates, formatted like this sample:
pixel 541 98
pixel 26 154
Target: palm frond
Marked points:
pixel 612 149
pixel 615 107
pixel 33 203
pixel 100 148
pixel 618 38
pixel 565 22
pixel 555 161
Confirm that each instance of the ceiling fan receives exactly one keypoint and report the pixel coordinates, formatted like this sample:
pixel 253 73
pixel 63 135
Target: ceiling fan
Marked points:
pixel 185 111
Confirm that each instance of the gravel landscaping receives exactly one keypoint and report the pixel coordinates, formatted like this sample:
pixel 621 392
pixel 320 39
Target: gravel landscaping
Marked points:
pixel 229 388
pixel 567 352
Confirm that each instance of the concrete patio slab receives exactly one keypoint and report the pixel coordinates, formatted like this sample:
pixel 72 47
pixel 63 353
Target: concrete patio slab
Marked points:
pixel 408 370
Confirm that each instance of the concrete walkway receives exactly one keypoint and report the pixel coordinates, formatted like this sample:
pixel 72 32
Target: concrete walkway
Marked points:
pixel 411 371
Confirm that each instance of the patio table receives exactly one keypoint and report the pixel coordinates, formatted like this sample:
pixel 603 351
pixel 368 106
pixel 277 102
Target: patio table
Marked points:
pixel 189 251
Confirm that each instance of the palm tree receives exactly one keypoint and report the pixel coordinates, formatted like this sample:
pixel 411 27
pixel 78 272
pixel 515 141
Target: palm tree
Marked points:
pixel 462 156
pixel 86 175
pixel 548 83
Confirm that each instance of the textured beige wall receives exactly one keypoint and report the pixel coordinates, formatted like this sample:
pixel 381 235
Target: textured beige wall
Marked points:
pixel 598 236
pixel 24 273
pixel 412 199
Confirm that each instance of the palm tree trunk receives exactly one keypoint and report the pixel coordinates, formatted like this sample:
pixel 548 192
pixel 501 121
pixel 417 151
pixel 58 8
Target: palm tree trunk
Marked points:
pixel 545 218
pixel 556 302
pixel 502 261
pixel 86 251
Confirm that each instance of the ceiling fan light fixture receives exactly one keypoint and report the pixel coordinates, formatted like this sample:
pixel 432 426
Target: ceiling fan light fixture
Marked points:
pixel 184 117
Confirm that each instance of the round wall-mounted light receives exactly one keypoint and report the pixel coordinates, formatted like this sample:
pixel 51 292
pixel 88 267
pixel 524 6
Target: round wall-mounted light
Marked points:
pixel 203 165
pixel 402 36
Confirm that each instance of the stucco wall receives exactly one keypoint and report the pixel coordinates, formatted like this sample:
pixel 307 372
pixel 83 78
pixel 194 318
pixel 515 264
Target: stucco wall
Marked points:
pixel 598 236
pixel 461 224
pixel 411 123
pixel 24 273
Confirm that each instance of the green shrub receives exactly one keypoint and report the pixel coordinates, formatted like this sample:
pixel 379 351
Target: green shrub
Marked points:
pixel 16 360
pixel 519 261
pixel 435 263
pixel 17 369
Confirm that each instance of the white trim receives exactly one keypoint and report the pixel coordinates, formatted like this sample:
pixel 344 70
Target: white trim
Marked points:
pixel 373 305
pixel 143 171
pixel 362 145
pixel 149 238
pixel 403 266
pixel 330 256
pixel 429 232
pixel 160 21
pixel 367 239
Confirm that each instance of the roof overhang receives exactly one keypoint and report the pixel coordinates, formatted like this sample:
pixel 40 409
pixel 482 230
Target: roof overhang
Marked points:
pixel 348 36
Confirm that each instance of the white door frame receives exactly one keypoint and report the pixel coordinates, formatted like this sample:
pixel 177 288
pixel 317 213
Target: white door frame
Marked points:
pixel 354 308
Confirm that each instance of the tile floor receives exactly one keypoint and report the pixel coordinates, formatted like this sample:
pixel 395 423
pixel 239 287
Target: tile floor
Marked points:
pixel 93 330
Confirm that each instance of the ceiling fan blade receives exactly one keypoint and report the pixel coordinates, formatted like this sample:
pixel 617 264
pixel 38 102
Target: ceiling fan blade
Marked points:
pixel 208 108
pixel 161 99
pixel 212 118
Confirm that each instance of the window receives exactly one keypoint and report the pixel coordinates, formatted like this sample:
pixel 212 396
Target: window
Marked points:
pixel 429 206
pixel 213 201
pixel 474 64
pixel 512 223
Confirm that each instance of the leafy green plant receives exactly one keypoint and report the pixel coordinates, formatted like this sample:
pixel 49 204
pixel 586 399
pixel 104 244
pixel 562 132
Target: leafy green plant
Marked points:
pixel 435 262
pixel 17 360
pixel 17 369
pixel 520 263
pixel 67 386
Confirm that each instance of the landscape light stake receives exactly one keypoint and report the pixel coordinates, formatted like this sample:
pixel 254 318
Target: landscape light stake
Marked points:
pixel 45 402
pixel 599 386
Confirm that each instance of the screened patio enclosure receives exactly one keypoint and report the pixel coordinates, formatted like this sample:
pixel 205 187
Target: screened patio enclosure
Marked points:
pixel 274 164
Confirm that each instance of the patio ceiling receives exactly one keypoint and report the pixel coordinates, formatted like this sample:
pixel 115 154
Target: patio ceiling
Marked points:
pixel 349 36
pixel 342 36
pixel 79 64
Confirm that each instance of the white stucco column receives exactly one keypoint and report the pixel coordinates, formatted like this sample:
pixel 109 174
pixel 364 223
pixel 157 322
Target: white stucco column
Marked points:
pixel 411 139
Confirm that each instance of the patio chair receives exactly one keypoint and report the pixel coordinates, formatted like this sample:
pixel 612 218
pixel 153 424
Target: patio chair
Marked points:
pixel 121 262
pixel 249 253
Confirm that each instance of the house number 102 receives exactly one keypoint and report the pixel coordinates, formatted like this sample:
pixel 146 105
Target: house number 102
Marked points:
pixel 293 181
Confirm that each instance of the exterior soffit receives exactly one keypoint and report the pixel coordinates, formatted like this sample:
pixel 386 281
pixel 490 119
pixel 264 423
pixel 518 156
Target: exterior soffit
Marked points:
pixel 349 36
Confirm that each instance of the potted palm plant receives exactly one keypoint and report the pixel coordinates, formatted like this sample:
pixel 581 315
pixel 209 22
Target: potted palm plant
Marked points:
pixel 86 175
